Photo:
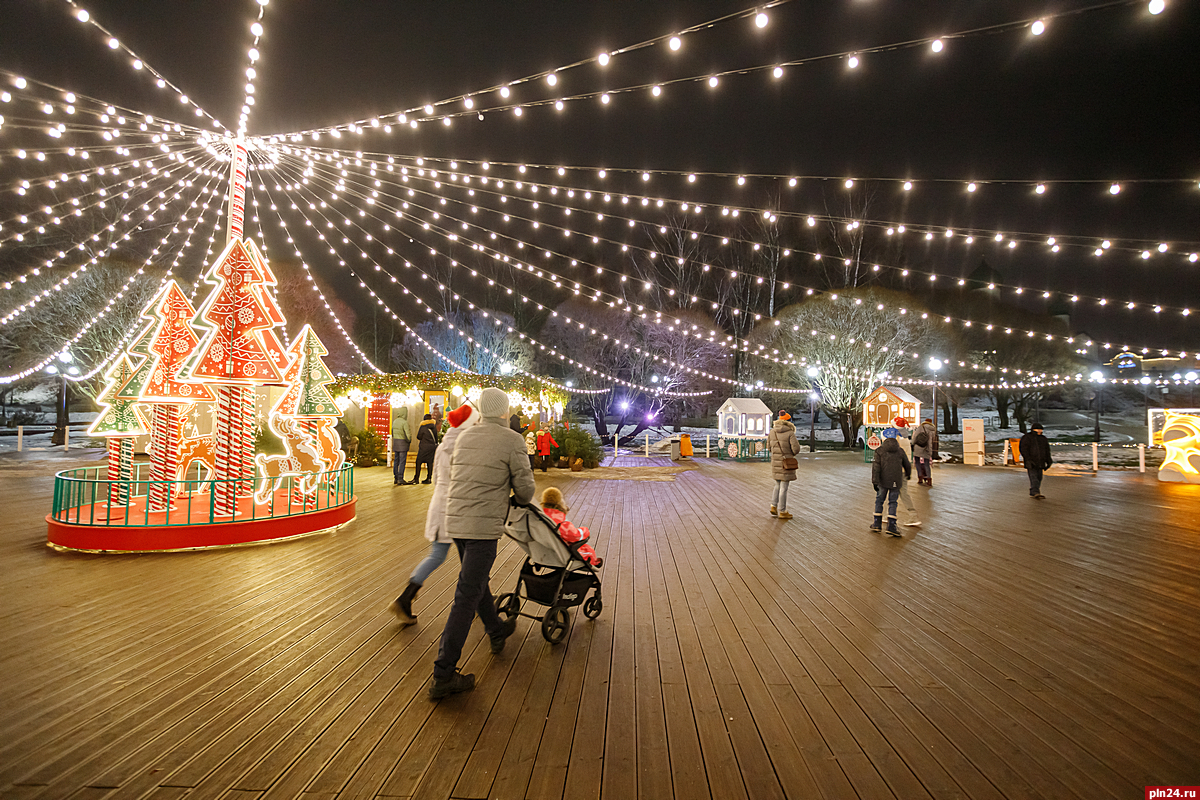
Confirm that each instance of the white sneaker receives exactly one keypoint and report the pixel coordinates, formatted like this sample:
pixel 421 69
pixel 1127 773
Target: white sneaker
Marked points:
pixel 916 523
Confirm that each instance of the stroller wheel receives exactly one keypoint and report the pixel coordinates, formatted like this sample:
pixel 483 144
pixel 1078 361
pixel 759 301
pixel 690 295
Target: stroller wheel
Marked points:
pixel 554 624
pixel 508 605
pixel 592 606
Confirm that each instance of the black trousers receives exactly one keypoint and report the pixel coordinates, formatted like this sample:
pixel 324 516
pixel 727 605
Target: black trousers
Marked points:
pixel 472 596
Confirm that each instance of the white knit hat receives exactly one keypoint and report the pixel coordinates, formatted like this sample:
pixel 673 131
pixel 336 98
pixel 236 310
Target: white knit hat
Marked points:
pixel 493 402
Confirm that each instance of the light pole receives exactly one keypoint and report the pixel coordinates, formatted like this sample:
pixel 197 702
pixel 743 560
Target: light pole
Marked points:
pixel 1098 378
pixel 1145 382
pixel 934 365
pixel 62 412
pixel 812 422
pixel 813 372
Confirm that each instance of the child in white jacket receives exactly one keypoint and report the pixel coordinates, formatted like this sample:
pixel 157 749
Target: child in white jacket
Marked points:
pixel 902 434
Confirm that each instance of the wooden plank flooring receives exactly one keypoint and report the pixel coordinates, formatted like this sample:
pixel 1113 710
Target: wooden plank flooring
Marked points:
pixel 1010 648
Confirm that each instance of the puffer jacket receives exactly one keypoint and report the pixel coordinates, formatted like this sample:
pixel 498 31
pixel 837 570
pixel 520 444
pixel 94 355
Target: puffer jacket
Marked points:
pixel 931 446
pixel 426 438
pixel 401 431
pixel 531 443
pixel 891 466
pixel 488 462
pixel 783 444
pixel 544 441
pixel 1035 450
pixel 435 518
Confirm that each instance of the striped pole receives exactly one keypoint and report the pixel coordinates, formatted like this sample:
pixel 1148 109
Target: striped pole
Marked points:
pixel 249 397
pixel 224 494
pixel 165 461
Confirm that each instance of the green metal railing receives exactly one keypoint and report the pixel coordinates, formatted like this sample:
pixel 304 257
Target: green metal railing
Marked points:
pixel 84 497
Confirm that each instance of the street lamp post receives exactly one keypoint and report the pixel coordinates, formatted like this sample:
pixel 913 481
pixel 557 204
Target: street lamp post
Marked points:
pixel 1098 378
pixel 812 422
pixel 813 372
pixel 1145 382
pixel 62 417
pixel 934 365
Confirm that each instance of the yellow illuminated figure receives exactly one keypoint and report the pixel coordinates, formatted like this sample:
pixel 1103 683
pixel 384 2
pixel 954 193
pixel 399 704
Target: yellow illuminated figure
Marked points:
pixel 1181 439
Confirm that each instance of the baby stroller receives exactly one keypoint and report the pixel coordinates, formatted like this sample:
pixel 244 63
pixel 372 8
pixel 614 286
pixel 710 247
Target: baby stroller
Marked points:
pixel 553 574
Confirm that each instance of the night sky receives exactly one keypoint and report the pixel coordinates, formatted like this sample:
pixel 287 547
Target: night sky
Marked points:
pixel 1111 94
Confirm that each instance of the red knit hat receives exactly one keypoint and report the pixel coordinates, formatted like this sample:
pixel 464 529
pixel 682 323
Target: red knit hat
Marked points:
pixel 459 415
pixel 900 422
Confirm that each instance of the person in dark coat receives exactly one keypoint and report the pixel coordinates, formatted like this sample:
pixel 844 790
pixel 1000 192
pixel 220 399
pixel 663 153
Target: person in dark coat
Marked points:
pixel 890 467
pixel 1035 453
pixel 514 422
pixel 426 448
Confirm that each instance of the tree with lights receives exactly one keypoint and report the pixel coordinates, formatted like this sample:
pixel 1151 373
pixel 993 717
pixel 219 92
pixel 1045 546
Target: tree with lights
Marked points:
pixel 170 344
pixel 120 422
pixel 234 356
pixel 857 345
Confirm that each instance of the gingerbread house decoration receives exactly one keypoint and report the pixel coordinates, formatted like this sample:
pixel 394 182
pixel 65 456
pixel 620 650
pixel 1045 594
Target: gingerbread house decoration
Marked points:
pixel 886 403
pixel 744 416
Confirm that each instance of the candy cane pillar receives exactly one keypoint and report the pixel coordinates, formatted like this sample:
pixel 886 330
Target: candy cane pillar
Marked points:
pixel 167 430
pixel 230 399
pixel 120 470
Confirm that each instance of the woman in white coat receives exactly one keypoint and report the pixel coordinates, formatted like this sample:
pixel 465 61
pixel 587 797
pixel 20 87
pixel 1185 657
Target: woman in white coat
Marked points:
pixel 460 418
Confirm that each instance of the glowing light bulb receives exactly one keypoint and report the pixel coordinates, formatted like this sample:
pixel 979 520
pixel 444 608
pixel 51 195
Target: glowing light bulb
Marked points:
pixel 113 44
pixel 505 91
pixel 603 59
pixel 908 186
pixel 604 98
pixel 1114 189
pixel 1037 28
pixel 257 29
pixel 82 15
pixel 853 62
pixel 675 43
pixel 558 105
pixel 849 183
pixel 712 82
pixel 552 79
pixel 971 187
pixel 761 19
pixel 1041 188
pixel 937 46
pixel 1157 6
pixel 645 176
pixel 777 72
pixel 253 54
pixel 656 91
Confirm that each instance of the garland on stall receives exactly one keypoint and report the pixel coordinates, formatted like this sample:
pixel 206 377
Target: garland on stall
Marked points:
pixel 401 382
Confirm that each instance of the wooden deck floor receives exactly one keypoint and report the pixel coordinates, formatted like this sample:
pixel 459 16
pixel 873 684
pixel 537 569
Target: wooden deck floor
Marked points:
pixel 1009 649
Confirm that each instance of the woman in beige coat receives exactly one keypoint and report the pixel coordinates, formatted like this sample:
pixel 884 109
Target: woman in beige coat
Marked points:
pixel 783 444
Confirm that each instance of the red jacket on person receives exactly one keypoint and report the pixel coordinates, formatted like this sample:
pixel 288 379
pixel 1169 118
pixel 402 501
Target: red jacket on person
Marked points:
pixel 569 533
pixel 544 441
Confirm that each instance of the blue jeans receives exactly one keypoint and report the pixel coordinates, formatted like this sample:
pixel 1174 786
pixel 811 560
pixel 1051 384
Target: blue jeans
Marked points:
pixel 437 554
pixel 891 495
pixel 1035 480
pixel 779 496
pixel 471 597
pixel 399 460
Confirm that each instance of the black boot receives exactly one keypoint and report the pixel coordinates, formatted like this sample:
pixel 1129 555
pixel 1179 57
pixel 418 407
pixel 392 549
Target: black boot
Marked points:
pixel 403 605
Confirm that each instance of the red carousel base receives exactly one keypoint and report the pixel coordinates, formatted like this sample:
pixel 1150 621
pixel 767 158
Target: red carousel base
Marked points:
pixel 179 530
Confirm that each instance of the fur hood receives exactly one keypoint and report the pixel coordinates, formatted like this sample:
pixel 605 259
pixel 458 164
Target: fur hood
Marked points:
pixel 782 426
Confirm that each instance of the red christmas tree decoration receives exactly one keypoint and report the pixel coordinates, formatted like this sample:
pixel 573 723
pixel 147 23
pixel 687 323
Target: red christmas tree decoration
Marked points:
pixel 233 351
pixel 172 346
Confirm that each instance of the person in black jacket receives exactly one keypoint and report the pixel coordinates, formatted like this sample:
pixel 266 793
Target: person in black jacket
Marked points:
pixel 889 468
pixel 1035 453
pixel 426 448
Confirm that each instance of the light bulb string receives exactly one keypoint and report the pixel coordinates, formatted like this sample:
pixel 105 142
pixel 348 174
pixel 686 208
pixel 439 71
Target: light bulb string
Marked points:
pixel 732 309
pixel 122 233
pixel 251 70
pixel 467 99
pixel 96 196
pixel 932 276
pixel 925 315
pixel 430 310
pixel 87 18
pixel 569 321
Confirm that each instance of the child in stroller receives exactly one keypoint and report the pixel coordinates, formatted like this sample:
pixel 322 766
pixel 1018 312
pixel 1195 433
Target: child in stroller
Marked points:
pixel 554 507
pixel 555 573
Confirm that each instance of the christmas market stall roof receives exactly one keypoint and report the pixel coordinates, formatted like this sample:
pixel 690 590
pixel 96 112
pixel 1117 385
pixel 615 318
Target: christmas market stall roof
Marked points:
pixel 744 405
